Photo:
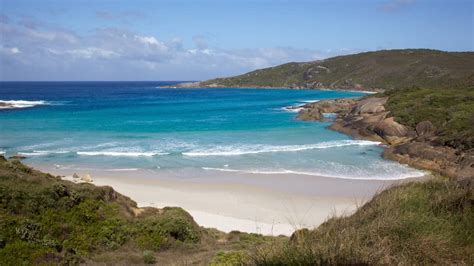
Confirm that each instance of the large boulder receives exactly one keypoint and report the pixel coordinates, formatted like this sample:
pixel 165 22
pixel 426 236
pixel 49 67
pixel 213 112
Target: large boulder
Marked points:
pixel 425 129
pixel 390 127
pixel 314 111
pixel 392 132
pixel 370 106
pixel 312 114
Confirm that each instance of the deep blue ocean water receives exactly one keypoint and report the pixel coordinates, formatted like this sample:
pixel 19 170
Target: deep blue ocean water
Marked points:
pixel 127 126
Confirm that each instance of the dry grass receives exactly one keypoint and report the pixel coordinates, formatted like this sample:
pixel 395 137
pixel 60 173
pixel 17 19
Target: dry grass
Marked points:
pixel 417 223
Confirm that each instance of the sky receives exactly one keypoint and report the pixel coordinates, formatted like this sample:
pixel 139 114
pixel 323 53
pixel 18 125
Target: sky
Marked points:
pixel 196 40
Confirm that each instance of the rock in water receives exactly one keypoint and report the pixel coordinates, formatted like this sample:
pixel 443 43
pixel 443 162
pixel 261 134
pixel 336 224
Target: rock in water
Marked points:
pixel 310 114
pixel 75 176
pixel 17 157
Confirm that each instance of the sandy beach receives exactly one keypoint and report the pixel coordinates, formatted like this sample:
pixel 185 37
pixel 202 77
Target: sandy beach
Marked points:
pixel 256 203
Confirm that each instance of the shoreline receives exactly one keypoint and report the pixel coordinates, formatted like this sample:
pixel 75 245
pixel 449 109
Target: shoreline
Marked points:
pixel 198 86
pixel 368 119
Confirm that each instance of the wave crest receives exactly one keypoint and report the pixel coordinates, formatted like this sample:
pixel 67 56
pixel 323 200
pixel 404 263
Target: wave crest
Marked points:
pixel 120 154
pixel 255 149
pixel 320 174
pixel 17 104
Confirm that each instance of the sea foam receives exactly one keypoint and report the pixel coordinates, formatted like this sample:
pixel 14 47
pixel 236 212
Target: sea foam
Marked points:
pixel 255 149
pixel 120 154
pixel 398 176
pixel 17 104
pixel 42 153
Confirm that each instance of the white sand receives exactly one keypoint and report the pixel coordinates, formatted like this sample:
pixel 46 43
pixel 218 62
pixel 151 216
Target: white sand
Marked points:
pixel 246 203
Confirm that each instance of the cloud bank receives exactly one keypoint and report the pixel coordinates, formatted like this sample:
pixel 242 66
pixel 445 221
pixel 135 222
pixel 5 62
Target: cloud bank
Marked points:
pixel 33 51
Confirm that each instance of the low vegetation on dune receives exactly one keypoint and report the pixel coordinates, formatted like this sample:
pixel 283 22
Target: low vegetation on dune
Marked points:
pixel 46 220
pixel 386 69
pixel 428 222
pixel 451 111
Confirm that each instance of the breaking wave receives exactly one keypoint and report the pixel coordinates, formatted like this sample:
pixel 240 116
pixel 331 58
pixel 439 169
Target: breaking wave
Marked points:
pixel 255 149
pixel 120 154
pixel 398 176
pixel 18 104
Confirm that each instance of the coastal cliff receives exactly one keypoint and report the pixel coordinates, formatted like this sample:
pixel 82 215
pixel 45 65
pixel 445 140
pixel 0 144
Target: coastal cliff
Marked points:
pixel 423 145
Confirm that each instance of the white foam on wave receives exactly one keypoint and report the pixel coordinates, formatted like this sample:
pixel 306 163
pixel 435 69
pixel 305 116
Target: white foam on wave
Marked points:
pixel 120 153
pixel 17 104
pixel 42 153
pixel 73 167
pixel 310 101
pixel 410 174
pixel 297 107
pixel 255 149
pixel 122 169
pixel 2 152
pixel 292 109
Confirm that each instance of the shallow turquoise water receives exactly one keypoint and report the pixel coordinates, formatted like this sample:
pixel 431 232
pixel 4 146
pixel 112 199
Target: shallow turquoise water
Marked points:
pixel 128 126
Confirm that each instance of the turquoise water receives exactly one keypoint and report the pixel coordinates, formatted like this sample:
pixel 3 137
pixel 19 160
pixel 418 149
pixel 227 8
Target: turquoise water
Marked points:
pixel 131 126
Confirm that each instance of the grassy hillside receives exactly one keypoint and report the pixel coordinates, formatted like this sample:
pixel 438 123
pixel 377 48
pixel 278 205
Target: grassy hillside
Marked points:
pixel 44 220
pixel 414 224
pixel 450 110
pixel 372 70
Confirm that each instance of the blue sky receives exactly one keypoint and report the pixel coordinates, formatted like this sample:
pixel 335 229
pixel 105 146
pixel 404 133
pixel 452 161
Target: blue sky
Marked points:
pixel 194 40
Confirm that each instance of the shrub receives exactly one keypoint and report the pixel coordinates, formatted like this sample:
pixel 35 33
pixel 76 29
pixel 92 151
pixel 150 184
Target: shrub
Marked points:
pixel 149 257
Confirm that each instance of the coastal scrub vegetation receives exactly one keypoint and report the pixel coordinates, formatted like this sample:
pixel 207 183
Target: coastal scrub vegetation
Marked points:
pixel 430 222
pixel 451 111
pixel 385 69
pixel 45 220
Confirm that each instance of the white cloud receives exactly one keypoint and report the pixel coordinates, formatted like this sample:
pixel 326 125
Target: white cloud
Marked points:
pixel 117 54
pixel 148 40
pixel 9 50
pixel 92 52
pixel 15 50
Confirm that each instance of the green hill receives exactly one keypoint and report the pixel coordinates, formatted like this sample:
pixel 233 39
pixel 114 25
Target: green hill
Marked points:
pixel 385 69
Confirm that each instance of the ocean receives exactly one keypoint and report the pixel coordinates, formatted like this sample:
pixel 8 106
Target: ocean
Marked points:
pixel 140 126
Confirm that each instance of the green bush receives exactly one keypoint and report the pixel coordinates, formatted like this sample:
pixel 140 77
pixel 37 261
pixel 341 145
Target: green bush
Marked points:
pixel 450 110
pixel 149 257
pixel 230 258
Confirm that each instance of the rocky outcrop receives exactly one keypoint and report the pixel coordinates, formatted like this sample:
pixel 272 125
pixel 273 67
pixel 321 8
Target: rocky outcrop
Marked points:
pixel 17 157
pixel 368 119
pixel 442 159
pixel 393 132
pixel 314 111
pixel 5 105
pixel 425 129
pixel 369 106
